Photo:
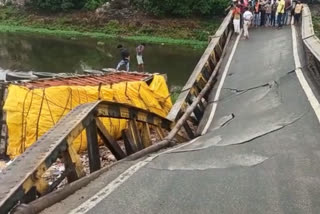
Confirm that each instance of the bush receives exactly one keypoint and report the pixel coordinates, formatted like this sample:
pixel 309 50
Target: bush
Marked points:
pixel 93 4
pixel 57 5
pixel 183 7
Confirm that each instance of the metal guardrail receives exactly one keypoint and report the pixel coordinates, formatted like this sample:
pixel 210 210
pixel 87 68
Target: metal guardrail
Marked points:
pixel 312 44
pixel 22 181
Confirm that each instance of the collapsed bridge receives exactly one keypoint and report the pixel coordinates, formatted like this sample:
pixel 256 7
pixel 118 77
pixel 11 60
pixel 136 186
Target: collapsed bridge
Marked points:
pixel 252 112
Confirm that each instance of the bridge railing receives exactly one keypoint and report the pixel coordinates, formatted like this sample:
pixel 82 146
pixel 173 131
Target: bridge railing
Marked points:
pixel 312 45
pixel 22 181
pixel 200 77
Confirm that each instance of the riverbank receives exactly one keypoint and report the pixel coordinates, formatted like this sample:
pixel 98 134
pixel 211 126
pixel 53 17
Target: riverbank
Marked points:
pixel 140 27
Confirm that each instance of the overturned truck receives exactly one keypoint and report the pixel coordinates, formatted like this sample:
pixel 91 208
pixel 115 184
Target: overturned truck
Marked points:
pixel 31 108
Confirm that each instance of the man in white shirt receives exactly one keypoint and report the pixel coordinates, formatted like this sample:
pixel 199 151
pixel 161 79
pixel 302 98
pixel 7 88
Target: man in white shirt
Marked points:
pixel 247 17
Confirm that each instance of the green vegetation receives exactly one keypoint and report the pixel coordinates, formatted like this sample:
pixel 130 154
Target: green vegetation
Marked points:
pixel 183 32
pixel 183 8
pixel 63 5
pixel 316 24
pixel 174 93
pixel 174 97
pixel 180 8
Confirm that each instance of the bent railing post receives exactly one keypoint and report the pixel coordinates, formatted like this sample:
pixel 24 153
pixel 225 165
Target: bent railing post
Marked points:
pixel 199 79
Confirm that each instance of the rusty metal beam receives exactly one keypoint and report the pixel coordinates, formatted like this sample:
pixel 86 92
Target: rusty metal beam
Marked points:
pixel 188 130
pixel 70 167
pixel 146 135
pixel 134 133
pixel 110 143
pixel 124 111
pixel 160 133
pixel 128 142
pixel 93 147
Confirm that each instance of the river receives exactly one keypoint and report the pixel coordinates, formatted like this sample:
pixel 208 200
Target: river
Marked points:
pixel 25 52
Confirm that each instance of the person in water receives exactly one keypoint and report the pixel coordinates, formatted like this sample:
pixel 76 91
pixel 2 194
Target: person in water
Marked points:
pixel 125 58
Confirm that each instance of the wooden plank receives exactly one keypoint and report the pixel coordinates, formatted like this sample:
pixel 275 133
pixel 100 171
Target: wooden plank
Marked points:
pixel 93 147
pixel 109 142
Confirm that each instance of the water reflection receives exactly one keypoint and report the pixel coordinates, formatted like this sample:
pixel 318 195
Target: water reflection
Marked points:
pixel 26 52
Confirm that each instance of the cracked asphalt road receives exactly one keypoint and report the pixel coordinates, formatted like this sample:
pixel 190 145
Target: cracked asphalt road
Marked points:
pixel 261 153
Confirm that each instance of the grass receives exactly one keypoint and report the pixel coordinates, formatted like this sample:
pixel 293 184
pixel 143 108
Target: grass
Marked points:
pixel 101 36
pixel 66 25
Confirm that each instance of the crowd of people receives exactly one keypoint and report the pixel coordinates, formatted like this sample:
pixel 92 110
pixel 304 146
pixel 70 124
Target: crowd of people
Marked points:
pixel 246 13
pixel 265 13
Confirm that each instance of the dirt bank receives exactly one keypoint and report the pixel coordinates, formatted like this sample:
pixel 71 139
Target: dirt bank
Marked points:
pixel 124 23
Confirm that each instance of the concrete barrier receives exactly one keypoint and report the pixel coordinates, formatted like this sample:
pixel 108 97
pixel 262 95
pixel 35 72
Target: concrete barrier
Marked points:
pixel 312 45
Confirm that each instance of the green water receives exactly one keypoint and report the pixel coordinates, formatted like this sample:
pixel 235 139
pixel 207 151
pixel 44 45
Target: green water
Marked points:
pixel 24 52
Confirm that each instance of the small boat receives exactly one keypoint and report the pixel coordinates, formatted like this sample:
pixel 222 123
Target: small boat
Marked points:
pixel 44 74
pixel 90 71
pixel 16 76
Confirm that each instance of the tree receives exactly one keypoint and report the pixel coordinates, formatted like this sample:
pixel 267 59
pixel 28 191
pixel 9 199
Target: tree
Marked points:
pixel 56 5
pixel 183 7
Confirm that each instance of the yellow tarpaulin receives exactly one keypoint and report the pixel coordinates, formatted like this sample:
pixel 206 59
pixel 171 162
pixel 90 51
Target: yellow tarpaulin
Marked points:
pixel 32 112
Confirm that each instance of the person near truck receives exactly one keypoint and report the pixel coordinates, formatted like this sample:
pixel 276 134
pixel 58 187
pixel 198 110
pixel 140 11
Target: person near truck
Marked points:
pixel 139 51
pixel 125 58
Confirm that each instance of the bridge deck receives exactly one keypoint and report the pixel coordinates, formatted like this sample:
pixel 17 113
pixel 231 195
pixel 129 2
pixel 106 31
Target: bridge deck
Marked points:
pixel 264 160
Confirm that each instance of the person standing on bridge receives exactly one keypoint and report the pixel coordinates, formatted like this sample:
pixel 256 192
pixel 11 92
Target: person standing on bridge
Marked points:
pixel 280 10
pixel 256 13
pixel 236 18
pixel 247 17
pixel 268 14
pixel 125 58
pixel 139 51
pixel 273 13
pixel 262 13
pixel 297 12
pixel 287 10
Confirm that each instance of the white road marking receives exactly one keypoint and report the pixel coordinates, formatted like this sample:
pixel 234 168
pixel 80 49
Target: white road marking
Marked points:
pixel 112 186
pixel 217 95
pixel 308 91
